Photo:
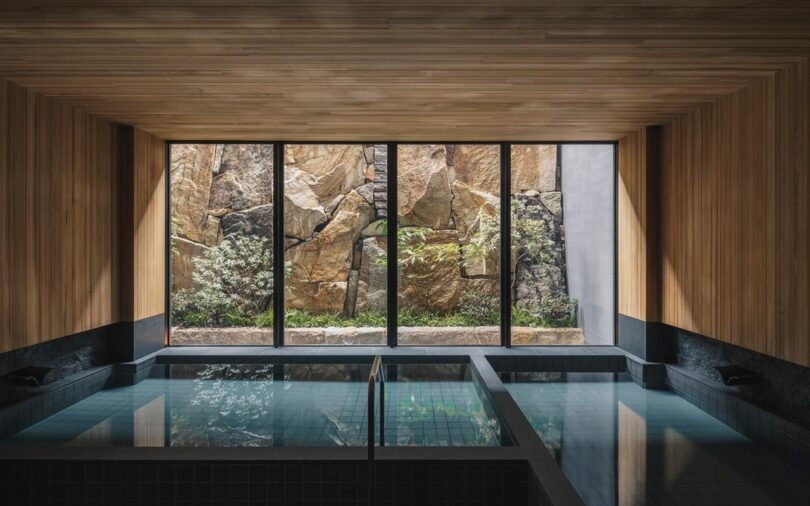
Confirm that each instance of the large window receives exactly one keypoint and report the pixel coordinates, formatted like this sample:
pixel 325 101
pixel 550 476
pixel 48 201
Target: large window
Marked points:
pixel 221 243
pixel 448 237
pixel 438 250
pixel 334 244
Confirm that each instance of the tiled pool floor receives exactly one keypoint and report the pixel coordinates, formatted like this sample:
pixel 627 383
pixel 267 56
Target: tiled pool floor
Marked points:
pixel 219 412
pixel 620 444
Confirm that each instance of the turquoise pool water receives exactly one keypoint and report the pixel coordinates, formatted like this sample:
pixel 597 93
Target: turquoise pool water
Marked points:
pixel 620 444
pixel 271 405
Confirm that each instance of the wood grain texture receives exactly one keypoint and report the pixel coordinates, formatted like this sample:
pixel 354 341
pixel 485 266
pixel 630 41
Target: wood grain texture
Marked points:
pixel 358 70
pixel 638 261
pixel 734 219
pixel 58 220
pixel 61 221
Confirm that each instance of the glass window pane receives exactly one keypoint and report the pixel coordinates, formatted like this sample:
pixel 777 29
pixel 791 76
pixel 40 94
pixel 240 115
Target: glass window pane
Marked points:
pixel 448 244
pixel 334 244
pixel 562 244
pixel 221 243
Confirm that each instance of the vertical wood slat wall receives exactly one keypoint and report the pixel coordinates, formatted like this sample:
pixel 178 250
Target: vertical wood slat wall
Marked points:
pixel 733 221
pixel 60 222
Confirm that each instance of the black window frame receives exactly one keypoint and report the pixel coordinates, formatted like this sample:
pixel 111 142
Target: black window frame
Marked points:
pixel 392 325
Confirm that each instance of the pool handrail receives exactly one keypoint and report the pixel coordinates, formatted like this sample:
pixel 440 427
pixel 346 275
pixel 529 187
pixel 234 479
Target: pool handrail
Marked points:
pixel 377 372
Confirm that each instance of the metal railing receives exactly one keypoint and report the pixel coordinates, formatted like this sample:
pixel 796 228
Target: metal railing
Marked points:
pixel 377 373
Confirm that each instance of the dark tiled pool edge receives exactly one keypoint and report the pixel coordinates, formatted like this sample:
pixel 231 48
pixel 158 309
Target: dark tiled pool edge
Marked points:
pixel 54 397
pixel 338 482
pixel 786 439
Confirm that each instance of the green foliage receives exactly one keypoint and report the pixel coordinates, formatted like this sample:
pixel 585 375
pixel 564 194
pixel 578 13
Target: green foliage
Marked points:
pixel 265 319
pixel 298 318
pixel 555 310
pixel 233 282
pixel 418 260
pixel 480 308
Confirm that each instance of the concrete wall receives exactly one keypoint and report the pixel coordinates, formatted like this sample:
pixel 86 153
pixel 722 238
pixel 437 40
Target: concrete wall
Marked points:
pixel 588 209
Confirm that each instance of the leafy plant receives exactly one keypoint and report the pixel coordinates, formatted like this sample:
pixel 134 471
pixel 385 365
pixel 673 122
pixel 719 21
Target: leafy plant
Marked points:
pixel 418 260
pixel 232 282
pixel 480 308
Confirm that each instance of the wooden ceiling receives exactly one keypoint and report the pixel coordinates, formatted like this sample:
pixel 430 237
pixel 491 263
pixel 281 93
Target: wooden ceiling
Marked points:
pixel 422 70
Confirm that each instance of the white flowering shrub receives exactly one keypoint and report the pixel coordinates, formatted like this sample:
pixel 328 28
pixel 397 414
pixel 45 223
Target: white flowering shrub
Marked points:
pixel 233 282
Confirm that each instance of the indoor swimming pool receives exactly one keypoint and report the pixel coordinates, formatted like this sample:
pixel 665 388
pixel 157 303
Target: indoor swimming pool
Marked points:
pixel 275 405
pixel 620 444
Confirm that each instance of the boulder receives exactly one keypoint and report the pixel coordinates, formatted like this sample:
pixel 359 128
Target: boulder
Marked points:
pixel 245 176
pixel 256 221
pixel 478 166
pixel 534 167
pixel 192 168
pixel 553 202
pixel 424 193
pixel 335 169
pixel 469 205
pixel 367 192
pixel 303 212
pixel 183 254
pixel 434 286
pixel 372 284
pixel 328 257
pixel 375 229
pixel 476 265
pixel 316 297
pixel 356 205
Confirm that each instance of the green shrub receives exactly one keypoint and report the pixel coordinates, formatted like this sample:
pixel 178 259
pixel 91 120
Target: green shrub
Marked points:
pixel 233 319
pixel 480 308
pixel 265 319
pixel 233 282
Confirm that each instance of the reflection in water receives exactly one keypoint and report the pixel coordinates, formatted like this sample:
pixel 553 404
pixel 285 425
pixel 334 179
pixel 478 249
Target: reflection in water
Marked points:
pixel 149 427
pixel 622 445
pixel 97 435
pixel 218 405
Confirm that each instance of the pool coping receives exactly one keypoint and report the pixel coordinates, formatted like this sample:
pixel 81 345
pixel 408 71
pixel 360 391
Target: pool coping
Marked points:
pixel 548 483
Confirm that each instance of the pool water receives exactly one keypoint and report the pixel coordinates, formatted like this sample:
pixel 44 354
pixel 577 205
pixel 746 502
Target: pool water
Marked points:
pixel 620 444
pixel 240 405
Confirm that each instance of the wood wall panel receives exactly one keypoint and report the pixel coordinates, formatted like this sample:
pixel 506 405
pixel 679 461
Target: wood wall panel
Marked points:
pixel 149 226
pixel 638 225
pixel 60 221
pixel 734 219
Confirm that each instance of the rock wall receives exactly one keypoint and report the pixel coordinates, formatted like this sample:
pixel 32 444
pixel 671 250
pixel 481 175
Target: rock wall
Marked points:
pixel 335 211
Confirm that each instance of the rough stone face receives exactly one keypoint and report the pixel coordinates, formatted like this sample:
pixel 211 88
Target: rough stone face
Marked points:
pixel 469 205
pixel 478 166
pixel 436 286
pixel 335 169
pixel 328 257
pixel 374 229
pixel 303 212
pixel 530 276
pixel 367 192
pixel 192 168
pixel 256 221
pixel 356 205
pixel 534 167
pixel 553 202
pixel 184 253
pixel 323 297
pixel 371 286
pixel 245 176
pixel 423 186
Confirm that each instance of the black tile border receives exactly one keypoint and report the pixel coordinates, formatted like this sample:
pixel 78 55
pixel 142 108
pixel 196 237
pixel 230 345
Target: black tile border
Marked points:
pixel 546 484
pixel 338 482
pixel 784 438
pixel 54 397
